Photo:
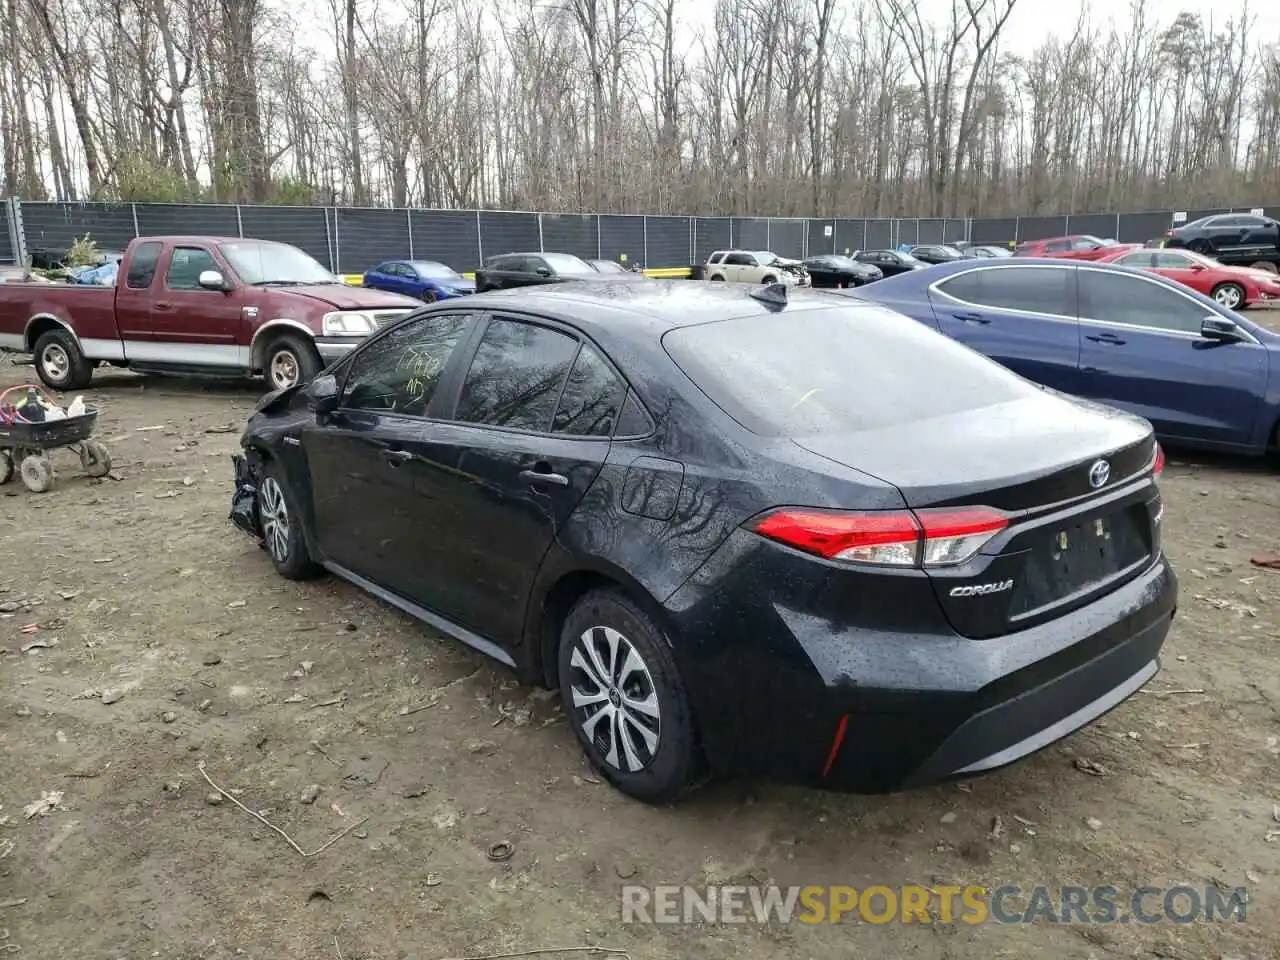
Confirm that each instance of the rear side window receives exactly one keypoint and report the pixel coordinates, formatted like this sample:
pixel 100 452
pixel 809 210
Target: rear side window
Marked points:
pixel 838 370
pixel 1028 289
pixel 592 397
pixel 516 377
pixel 142 268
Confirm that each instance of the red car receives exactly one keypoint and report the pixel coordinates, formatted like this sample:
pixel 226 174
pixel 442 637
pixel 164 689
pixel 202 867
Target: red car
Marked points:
pixel 1076 247
pixel 1233 287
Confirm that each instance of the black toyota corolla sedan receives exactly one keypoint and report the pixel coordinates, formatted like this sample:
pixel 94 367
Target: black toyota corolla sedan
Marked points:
pixel 742 530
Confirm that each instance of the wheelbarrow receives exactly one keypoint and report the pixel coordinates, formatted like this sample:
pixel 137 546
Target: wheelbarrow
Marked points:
pixel 24 449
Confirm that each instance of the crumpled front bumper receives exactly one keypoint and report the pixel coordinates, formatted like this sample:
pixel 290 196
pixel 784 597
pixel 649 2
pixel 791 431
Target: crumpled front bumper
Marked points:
pixel 244 500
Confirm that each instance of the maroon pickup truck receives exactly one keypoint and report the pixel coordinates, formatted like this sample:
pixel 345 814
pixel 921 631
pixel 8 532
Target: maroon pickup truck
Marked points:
pixel 196 306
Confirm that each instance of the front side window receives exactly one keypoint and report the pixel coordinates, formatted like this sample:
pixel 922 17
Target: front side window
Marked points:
pixel 1130 300
pixel 516 377
pixel 399 372
pixel 142 268
pixel 185 266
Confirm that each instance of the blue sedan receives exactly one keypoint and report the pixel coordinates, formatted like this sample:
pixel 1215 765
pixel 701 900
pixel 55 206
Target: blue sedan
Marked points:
pixel 1203 375
pixel 425 279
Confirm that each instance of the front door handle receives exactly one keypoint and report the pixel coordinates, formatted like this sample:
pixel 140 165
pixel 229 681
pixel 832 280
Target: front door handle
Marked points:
pixel 1110 338
pixel 162 305
pixel 541 474
pixel 971 317
pixel 396 457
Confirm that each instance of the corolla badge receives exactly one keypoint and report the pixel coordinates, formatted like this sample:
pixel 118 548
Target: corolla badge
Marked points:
pixel 1099 474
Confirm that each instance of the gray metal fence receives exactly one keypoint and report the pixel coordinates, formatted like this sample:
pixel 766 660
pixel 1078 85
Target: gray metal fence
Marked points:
pixel 352 239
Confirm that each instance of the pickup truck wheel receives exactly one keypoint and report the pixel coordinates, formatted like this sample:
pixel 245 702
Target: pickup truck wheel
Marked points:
pixel 59 362
pixel 290 362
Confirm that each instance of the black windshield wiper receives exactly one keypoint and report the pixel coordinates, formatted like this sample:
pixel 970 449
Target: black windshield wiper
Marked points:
pixel 277 283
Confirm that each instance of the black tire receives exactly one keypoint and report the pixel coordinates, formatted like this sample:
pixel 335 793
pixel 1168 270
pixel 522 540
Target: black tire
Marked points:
pixel 287 549
pixel 716 278
pixel 1201 247
pixel 429 296
pixel 59 362
pixel 1229 295
pixel 674 763
pixel 290 353
pixel 6 467
pixel 1266 265
pixel 770 279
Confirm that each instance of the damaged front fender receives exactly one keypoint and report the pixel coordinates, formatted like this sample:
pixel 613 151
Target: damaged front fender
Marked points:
pixel 244 501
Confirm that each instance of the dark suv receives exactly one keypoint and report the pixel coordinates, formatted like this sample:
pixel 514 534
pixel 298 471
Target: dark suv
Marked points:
pixel 526 269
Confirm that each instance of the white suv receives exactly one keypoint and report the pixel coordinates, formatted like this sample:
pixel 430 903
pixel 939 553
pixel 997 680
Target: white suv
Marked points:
pixel 754 266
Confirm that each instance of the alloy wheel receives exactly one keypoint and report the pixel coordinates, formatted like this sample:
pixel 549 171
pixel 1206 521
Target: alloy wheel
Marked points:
pixel 614 698
pixel 54 362
pixel 1229 297
pixel 275 519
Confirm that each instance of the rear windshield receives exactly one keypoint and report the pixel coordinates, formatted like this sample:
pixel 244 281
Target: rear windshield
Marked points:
pixel 838 370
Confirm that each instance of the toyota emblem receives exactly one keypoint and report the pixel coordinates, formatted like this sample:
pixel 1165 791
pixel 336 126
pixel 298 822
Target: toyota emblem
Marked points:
pixel 1099 474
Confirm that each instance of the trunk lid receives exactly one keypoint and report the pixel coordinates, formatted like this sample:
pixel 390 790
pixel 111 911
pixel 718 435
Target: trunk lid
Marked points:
pixel 1070 538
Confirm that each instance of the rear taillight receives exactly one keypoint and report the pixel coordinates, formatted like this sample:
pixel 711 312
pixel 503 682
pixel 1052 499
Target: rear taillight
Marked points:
pixel 898 538
pixel 1157 466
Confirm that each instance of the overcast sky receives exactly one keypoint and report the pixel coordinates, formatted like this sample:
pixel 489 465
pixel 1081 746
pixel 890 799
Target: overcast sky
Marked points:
pixel 1032 21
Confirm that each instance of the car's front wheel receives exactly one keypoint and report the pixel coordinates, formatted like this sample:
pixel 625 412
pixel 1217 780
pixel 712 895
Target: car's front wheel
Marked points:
pixel 281 525
pixel 625 699
pixel 291 361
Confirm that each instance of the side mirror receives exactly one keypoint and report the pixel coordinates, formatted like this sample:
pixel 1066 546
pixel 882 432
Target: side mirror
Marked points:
pixel 213 280
pixel 322 394
pixel 1221 329
pixel 543 272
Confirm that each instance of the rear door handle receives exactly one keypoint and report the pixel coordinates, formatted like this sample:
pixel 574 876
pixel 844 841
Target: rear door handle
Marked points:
pixel 544 476
pixel 396 457
pixel 1110 338
pixel 971 317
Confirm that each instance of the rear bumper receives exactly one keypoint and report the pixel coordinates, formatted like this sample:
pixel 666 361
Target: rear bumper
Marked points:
pixel 807 694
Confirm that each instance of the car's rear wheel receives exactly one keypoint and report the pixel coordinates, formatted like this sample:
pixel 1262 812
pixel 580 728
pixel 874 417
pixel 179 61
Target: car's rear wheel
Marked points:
pixel 281 525
pixel 1230 295
pixel 625 699
pixel 1266 265
pixel 59 362
pixel 1200 246
pixel 290 361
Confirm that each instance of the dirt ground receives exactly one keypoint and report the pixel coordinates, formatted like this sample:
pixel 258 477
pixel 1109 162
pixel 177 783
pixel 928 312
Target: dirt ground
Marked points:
pixel 170 643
